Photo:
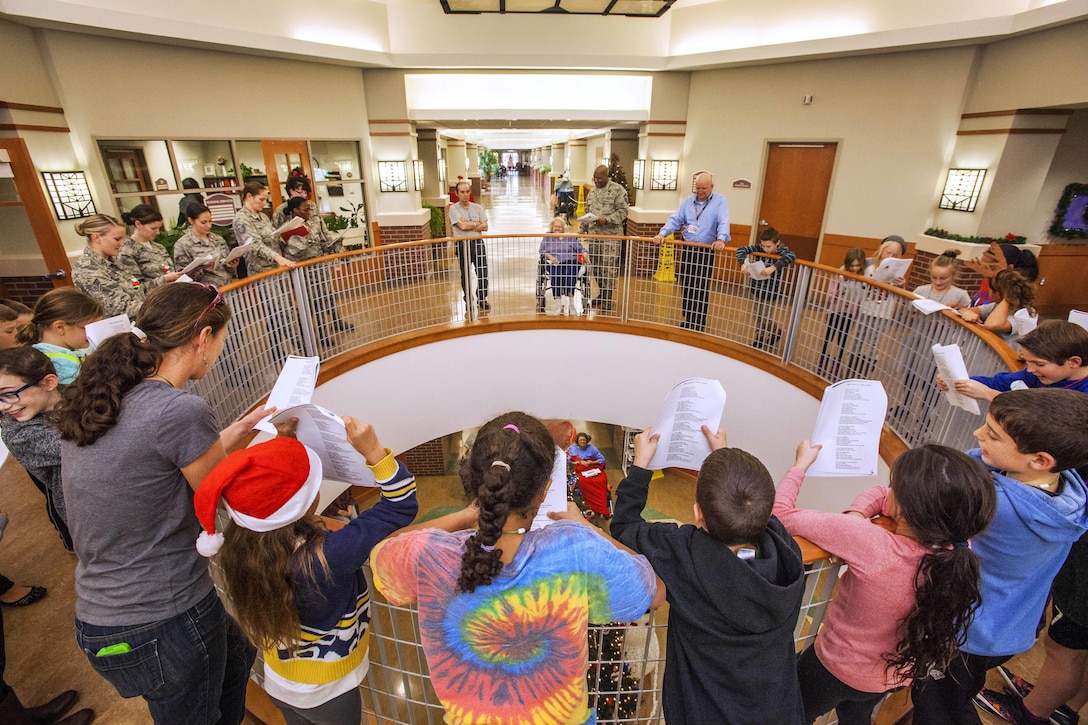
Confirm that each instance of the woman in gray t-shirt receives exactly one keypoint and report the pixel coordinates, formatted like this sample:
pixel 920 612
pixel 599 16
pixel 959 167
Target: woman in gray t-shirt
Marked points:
pixel 135 444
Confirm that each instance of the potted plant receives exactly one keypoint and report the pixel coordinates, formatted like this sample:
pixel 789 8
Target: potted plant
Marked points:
pixel 355 236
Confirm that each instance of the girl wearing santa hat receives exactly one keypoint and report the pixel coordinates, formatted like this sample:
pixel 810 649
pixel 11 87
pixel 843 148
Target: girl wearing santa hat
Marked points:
pixel 298 590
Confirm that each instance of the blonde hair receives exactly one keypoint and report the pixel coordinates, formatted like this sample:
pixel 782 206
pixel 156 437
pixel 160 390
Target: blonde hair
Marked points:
pixel 892 244
pixel 947 258
pixel 97 224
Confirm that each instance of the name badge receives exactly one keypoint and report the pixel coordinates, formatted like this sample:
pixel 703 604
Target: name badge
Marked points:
pixel 692 228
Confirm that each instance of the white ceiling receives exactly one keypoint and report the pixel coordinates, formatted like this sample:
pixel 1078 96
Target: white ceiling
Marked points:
pixel 416 34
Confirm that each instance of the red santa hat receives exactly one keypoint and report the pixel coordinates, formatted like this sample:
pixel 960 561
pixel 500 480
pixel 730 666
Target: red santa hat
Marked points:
pixel 264 488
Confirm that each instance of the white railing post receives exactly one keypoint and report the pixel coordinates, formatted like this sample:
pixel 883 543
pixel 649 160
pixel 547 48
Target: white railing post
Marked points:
pixel 305 312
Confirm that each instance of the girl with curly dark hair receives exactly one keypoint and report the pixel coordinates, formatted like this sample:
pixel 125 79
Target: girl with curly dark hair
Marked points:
pixel 503 606
pixel 135 444
pixel 908 593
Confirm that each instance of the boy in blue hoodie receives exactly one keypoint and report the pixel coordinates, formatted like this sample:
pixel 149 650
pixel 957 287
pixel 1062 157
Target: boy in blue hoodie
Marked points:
pixel 1031 440
pixel 734 583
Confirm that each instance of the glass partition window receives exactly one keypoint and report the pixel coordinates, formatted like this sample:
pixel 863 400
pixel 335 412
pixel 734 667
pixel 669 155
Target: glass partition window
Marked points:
pixel 337 174
pixel 158 172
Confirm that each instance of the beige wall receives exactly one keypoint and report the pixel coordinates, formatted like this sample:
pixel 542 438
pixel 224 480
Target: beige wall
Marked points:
pixel 1038 70
pixel 894 116
pixel 25 78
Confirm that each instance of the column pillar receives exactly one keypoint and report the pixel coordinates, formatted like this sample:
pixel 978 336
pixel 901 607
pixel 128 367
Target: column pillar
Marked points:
pixel 1017 149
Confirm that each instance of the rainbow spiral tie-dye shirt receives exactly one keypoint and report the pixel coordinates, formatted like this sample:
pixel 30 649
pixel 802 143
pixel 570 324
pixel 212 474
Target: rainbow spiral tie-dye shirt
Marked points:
pixel 514 652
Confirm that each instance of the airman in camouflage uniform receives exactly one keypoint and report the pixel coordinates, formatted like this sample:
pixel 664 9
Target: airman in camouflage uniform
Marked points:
pixel 117 287
pixel 607 200
pixel 150 258
pixel 255 225
pixel 190 246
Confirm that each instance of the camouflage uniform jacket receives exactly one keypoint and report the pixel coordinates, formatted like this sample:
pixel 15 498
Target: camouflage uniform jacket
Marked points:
pixel 281 216
pixel 150 258
pixel 116 287
pixel 266 245
pixel 190 246
pixel 317 243
pixel 610 203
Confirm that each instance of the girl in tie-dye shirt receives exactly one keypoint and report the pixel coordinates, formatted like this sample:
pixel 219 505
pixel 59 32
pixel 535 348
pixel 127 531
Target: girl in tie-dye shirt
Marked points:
pixel 504 610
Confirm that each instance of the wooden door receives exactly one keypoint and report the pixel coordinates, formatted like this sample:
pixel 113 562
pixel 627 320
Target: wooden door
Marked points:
pixel 128 172
pixel 280 157
pixel 23 205
pixel 796 183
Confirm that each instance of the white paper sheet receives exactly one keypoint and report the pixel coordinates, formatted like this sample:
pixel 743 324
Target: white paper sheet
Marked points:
pixel 1079 318
pixel 240 250
pixel 587 217
pixel 688 406
pixel 848 427
pixel 928 307
pixel 294 386
pixel 292 223
pixel 99 331
pixel 200 261
pixel 556 499
pixel 1022 322
pixel 324 432
pixel 183 278
pixel 754 268
pixel 891 268
pixel 951 367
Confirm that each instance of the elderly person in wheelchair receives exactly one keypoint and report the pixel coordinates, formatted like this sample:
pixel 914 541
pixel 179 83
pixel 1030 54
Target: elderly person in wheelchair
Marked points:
pixel 563 263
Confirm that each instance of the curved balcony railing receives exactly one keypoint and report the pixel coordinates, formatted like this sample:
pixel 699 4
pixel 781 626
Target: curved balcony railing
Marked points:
pixel 389 291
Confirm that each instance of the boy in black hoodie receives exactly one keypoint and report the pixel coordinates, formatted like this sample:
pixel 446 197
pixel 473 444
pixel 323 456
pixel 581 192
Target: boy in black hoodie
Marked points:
pixel 735 582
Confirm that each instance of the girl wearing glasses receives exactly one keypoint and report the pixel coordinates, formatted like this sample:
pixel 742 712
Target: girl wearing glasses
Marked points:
pixel 134 446
pixel 29 393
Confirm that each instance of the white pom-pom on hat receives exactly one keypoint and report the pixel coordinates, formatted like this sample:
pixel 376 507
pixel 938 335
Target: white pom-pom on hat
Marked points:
pixel 209 544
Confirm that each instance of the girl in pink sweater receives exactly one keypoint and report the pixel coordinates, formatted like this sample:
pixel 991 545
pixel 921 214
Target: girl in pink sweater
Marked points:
pixel 908 593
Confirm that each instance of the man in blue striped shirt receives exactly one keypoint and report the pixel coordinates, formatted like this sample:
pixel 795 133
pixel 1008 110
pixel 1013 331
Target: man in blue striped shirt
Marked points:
pixel 702 218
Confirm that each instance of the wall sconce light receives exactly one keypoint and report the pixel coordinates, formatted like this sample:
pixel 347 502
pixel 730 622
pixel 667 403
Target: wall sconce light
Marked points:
pixel 639 173
pixel 69 193
pixel 962 189
pixel 417 166
pixel 663 175
pixel 393 176
pixel 442 171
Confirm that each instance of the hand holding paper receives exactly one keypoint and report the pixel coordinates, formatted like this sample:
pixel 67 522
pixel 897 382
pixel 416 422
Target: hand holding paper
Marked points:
pixel 950 368
pixel 754 268
pixel 239 251
pixel 201 261
pixel 556 498
pixel 891 269
pixel 689 406
pixel 294 386
pixel 99 331
pixel 848 428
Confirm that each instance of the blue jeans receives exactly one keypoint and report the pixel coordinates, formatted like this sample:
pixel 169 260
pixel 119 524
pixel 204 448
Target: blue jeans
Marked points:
pixel 190 669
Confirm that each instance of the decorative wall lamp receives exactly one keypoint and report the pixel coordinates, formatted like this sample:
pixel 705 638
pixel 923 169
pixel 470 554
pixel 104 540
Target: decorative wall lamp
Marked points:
pixel 393 176
pixel 962 189
pixel 69 193
pixel 638 174
pixel 663 175
pixel 418 168
pixel 442 171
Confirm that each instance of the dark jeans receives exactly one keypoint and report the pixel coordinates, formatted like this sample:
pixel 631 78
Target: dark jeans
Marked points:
pixel 563 276
pixel 838 329
pixel 190 669
pixel 477 256
pixel 947 701
pixel 821 692
pixel 694 269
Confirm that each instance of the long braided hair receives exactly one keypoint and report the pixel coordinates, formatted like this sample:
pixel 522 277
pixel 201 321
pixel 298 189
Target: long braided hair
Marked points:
pixel 507 468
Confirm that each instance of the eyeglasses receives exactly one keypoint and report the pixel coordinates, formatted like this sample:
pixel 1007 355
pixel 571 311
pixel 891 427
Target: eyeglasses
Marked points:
pixel 214 303
pixel 12 396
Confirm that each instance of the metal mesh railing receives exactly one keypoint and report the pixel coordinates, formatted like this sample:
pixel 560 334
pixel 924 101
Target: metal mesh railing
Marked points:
pixel 814 318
